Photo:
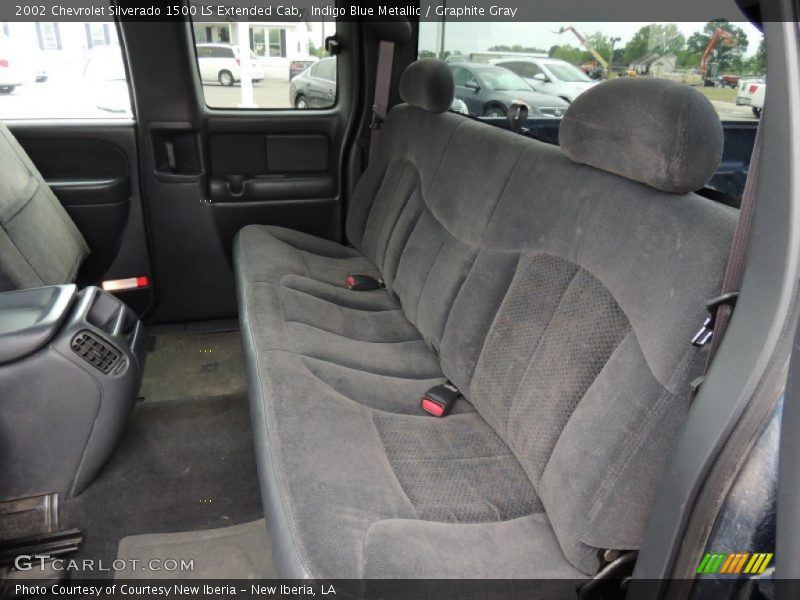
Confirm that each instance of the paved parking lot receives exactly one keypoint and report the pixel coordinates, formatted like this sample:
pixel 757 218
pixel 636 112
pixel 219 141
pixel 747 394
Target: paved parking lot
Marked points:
pixel 269 93
pixel 68 99
pixel 728 111
pixel 75 100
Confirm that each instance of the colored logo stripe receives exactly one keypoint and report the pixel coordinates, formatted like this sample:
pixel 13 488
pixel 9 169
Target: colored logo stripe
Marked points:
pixel 734 563
pixel 711 563
pixel 758 563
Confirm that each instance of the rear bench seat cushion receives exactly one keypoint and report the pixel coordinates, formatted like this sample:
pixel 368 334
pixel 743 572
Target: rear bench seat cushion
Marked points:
pixel 559 297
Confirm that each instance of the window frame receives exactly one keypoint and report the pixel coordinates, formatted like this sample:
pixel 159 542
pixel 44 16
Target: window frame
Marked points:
pixel 125 118
pixel 234 110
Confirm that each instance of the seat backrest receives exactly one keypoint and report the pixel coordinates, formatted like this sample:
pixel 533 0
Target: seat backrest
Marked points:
pixel 559 286
pixel 39 243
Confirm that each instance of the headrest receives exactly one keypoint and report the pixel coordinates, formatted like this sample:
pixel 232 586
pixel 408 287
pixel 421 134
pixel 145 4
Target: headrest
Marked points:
pixel 658 132
pixel 427 84
pixel 391 28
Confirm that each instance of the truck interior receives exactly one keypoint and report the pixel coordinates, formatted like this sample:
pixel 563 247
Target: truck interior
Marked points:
pixel 384 340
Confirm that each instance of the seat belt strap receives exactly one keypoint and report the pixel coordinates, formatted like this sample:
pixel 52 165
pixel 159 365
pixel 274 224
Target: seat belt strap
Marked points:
pixel 721 308
pixel 383 80
pixel 732 282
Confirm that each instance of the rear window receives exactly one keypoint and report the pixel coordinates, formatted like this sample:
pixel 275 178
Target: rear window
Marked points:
pixel 572 57
pixel 546 62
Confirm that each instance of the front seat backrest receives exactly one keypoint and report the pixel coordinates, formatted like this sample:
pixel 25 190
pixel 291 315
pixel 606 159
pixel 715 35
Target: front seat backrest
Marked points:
pixel 39 243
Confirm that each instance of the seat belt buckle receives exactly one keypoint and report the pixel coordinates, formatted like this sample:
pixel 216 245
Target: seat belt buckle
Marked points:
pixel 702 337
pixel 438 401
pixel 377 119
pixel 363 283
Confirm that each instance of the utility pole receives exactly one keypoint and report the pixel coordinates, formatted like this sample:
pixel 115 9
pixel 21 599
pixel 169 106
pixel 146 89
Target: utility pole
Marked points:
pixel 440 35
pixel 246 65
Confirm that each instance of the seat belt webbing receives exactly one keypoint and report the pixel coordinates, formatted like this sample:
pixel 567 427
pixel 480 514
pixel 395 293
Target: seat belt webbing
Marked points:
pixel 732 281
pixel 383 80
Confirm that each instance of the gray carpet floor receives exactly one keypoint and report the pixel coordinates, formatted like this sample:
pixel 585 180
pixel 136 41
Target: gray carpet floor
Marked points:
pixel 235 552
pixel 186 462
pixel 186 364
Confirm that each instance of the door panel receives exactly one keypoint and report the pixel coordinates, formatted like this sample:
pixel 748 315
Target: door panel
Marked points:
pixel 274 167
pixel 92 167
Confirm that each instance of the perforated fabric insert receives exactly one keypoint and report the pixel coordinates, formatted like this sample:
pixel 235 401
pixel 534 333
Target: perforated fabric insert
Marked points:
pixel 456 469
pixel 553 334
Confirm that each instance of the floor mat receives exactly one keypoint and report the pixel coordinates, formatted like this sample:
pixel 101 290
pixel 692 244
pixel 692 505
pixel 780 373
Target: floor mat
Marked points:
pixel 185 465
pixel 237 552
pixel 189 364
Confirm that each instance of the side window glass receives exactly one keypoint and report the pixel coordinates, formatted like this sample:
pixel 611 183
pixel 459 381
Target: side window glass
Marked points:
pixel 62 70
pixel 265 65
pixel 530 70
pixel 462 76
pixel 327 70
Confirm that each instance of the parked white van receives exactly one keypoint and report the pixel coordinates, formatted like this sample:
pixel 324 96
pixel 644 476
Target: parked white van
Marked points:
pixel 222 63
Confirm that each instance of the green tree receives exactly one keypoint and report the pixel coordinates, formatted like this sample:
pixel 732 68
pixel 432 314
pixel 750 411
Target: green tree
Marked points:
pixel 726 54
pixel 601 43
pixel 757 65
pixel 658 38
pixel 314 51
pixel 571 54
pixel 516 48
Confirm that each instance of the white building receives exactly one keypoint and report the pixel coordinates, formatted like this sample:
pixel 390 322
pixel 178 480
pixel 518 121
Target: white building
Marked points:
pixel 60 50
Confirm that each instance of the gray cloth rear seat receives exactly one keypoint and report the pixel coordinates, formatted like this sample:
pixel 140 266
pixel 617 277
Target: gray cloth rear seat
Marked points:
pixel 39 243
pixel 559 297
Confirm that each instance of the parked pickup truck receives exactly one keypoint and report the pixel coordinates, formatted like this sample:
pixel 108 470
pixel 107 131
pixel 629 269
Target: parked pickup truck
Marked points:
pixel 751 93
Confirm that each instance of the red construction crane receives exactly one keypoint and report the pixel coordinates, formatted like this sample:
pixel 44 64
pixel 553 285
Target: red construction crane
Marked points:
pixel 719 34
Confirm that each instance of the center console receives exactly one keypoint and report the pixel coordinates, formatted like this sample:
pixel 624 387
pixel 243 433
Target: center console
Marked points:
pixel 70 369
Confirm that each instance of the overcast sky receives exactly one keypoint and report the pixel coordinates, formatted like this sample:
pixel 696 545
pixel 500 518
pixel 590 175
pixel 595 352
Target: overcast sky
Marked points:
pixel 476 37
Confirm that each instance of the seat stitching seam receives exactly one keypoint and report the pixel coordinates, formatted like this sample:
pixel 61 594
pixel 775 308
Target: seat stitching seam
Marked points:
pixel 304 357
pixel 458 458
pixel 355 368
pixel 411 231
pixel 21 255
pixel 457 295
pixel 400 212
pixel 428 277
pixel 502 193
pixel 277 237
pixel 347 337
pixel 494 319
pixel 301 253
pixel 310 295
pixel 374 195
pixel 393 194
pixel 625 456
pixel 441 159
pixel 14 209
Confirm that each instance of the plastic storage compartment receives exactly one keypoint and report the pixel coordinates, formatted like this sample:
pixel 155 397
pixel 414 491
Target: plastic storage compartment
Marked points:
pixel 70 370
